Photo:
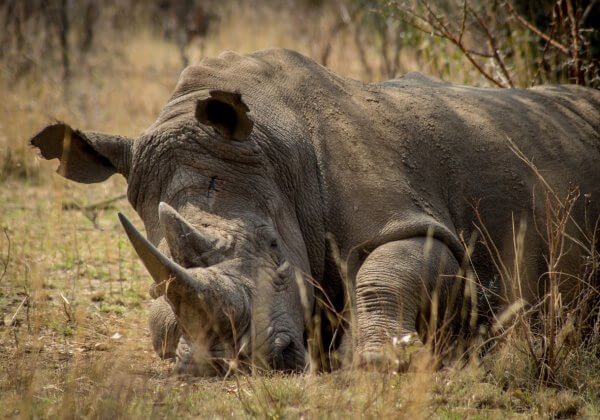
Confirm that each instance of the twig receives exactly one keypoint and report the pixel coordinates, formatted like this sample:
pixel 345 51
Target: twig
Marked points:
pixel 91 211
pixel 493 46
pixel 101 205
pixel 5 230
pixel 517 151
pixel 464 21
pixel 587 11
pixel 479 54
pixel 12 319
pixel 66 310
pixel 575 41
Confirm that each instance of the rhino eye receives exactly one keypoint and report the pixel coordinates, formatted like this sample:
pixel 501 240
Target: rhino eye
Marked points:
pixel 274 243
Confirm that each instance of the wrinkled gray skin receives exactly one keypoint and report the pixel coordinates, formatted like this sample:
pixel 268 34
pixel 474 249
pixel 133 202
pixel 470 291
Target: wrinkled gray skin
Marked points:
pixel 238 195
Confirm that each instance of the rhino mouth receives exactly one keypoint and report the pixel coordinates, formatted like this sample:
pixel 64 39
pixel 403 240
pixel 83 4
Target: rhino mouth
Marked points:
pixel 209 307
pixel 289 356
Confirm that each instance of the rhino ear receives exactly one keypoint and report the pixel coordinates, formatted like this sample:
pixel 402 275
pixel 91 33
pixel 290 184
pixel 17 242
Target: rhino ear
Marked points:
pixel 226 113
pixel 84 157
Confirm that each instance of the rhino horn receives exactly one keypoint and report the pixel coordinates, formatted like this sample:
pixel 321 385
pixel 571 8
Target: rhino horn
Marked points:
pixel 158 265
pixel 183 239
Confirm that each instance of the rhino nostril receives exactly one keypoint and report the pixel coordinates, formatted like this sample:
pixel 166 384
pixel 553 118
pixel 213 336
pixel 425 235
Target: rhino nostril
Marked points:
pixel 290 357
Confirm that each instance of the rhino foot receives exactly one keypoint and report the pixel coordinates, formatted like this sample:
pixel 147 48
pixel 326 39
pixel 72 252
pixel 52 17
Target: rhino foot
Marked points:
pixel 164 329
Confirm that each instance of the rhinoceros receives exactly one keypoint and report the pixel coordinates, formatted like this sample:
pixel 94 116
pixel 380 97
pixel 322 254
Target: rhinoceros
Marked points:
pixel 269 184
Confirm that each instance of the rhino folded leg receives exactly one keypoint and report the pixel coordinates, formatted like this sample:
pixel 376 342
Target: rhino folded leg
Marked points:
pixel 163 328
pixel 169 343
pixel 394 288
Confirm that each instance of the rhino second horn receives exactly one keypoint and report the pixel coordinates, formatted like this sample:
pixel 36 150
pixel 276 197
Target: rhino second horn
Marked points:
pixel 183 238
pixel 158 265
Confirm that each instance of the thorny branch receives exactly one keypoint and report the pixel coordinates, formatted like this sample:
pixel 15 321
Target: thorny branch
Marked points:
pixel 566 26
pixel 442 30
pixel 528 25
pixel 493 46
pixel 570 25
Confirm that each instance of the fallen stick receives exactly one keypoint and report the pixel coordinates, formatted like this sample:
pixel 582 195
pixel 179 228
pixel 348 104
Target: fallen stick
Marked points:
pixel 91 211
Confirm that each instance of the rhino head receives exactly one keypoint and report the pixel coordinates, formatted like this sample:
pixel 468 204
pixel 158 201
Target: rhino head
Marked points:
pixel 223 245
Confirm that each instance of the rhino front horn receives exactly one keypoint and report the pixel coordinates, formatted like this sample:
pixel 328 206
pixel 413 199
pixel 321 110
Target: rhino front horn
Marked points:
pixel 158 265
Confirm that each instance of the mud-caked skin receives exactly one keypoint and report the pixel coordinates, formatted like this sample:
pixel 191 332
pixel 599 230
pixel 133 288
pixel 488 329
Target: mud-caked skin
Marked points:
pixel 258 160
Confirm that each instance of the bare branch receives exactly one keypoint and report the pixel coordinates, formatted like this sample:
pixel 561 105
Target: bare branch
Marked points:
pixel 443 31
pixel 575 43
pixel 532 28
pixel 384 51
pixel 397 48
pixel 587 11
pixel 493 46
pixel 345 19
pixel 542 59
pixel 91 211
pixel 479 54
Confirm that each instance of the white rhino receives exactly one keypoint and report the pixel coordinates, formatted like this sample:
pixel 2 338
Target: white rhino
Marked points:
pixel 258 159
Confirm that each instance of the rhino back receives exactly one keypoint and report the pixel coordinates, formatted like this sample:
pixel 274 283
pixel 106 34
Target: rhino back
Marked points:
pixel 460 139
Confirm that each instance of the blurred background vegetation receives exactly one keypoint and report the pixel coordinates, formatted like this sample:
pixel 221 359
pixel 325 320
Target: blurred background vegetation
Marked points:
pixel 78 60
pixel 528 41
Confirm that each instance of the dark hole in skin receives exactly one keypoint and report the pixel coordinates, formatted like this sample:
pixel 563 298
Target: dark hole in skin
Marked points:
pixel 222 114
pixel 289 357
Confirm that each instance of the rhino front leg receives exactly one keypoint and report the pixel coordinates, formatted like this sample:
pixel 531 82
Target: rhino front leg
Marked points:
pixel 163 328
pixel 394 287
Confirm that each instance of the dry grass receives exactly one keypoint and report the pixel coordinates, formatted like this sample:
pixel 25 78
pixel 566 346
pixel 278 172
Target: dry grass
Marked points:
pixel 73 296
